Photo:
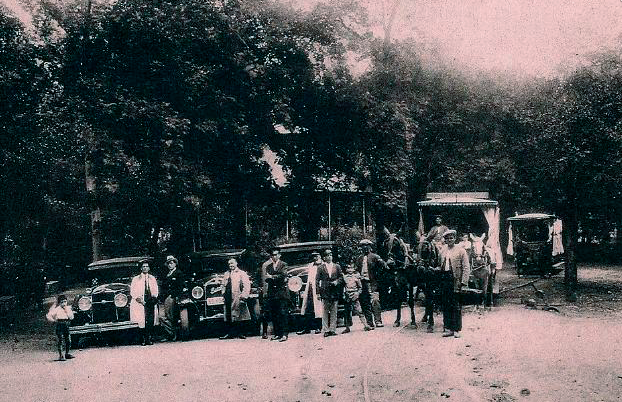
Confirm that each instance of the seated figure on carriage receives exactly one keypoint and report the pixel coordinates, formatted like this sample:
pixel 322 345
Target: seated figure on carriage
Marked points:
pixel 437 231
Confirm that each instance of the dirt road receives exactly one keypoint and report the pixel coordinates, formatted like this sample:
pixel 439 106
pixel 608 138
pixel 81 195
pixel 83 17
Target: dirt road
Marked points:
pixel 508 354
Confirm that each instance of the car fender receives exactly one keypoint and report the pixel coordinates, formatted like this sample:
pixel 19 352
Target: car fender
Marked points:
pixel 186 301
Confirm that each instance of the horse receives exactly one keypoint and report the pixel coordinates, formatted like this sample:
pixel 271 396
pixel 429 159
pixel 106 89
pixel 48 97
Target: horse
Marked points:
pixel 427 264
pixel 481 266
pixel 400 261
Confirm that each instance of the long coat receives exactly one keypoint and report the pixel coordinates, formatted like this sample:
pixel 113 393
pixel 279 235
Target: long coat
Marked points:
pixel 330 286
pixel 317 304
pixel 137 290
pixel 240 290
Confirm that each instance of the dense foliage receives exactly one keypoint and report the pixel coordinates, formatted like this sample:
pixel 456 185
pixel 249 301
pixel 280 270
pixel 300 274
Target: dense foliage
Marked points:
pixel 142 128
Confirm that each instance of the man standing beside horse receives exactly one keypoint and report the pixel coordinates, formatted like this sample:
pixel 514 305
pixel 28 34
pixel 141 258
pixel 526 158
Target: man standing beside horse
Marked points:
pixel 370 266
pixel 455 275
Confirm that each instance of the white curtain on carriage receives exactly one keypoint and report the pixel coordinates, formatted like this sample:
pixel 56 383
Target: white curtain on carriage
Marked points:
pixel 558 246
pixel 492 217
pixel 420 227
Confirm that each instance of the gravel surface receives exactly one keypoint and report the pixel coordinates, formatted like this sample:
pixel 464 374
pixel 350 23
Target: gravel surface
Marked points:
pixel 510 353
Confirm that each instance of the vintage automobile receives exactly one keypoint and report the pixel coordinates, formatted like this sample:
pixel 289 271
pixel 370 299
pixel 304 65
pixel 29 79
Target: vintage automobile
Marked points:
pixel 104 307
pixel 298 257
pixel 201 303
pixel 535 241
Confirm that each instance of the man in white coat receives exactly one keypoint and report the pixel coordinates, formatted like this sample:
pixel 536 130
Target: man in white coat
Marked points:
pixel 236 288
pixel 144 306
pixel 311 309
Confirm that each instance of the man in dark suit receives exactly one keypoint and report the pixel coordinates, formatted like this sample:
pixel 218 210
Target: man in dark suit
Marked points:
pixel 329 283
pixel 370 266
pixel 172 289
pixel 277 294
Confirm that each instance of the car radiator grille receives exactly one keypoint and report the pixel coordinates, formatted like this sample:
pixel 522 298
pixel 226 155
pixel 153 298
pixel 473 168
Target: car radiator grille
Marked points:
pixel 104 309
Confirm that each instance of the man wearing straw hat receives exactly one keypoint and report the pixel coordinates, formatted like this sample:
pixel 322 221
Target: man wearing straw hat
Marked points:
pixel 173 285
pixel 455 275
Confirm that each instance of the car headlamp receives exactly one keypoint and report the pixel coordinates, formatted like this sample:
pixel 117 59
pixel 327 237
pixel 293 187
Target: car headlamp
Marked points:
pixel 84 303
pixel 294 284
pixel 197 292
pixel 120 300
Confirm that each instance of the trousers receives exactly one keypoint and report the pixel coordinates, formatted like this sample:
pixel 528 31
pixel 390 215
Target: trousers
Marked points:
pixel 452 310
pixel 169 323
pixel 329 315
pixel 370 303
pixel 279 313
pixel 353 307
pixel 62 335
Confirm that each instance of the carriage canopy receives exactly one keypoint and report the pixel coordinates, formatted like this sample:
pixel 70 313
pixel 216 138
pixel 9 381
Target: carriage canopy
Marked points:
pixel 477 201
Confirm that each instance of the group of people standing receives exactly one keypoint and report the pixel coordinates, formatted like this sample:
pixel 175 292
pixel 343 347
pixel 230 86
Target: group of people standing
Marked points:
pixel 327 284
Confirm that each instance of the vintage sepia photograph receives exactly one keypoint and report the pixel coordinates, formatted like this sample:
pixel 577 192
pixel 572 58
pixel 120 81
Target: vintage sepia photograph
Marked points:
pixel 310 200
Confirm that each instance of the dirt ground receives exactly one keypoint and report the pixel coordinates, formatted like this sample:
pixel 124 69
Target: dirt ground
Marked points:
pixel 511 353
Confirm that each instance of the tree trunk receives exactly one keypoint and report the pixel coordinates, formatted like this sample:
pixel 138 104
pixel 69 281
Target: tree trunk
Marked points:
pixel 570 273
pixel 388 20
pixel 91 189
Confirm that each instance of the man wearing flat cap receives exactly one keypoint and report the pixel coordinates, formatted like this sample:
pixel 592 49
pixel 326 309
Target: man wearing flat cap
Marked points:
pixel 311 308
pixel 172 288
pixel 329 282
pixel 455 275
pixel 369 265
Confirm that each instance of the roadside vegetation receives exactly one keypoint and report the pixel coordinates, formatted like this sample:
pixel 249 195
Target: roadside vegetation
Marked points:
pixel 143 128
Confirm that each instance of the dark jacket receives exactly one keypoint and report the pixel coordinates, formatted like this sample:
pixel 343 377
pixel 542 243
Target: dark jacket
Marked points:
pixel 330 287
pixel 375 266
pixel 275 287
pixel 173 284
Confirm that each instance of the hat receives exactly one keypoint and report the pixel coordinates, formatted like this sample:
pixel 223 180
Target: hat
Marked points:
pixel 328 252
pixel 365 242
pixel 274 251
pixel 171 258
pixel 448 232
pixel 315 254
pixel 144 260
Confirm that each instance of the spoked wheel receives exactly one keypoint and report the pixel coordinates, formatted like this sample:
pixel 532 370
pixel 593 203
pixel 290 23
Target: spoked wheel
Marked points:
pixel 184 324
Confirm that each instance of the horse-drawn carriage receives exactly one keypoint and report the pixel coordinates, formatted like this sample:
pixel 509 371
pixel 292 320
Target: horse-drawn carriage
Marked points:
pixel 467 213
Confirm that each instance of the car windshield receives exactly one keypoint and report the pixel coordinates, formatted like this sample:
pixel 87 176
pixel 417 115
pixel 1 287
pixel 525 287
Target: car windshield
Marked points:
pixel 209 265
pixel 104 275
pixel 297 257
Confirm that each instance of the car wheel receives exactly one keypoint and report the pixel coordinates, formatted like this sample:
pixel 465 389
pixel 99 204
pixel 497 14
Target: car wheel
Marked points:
pixel 184 324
